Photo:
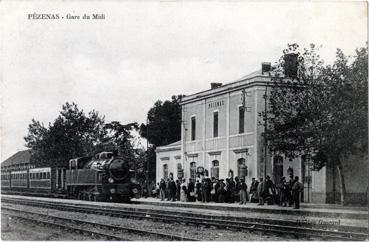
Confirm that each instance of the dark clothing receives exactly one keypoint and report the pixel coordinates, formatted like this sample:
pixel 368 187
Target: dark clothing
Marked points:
pixel 253 191
pixel 231 189
pixel 191 190
pixel 269 192
pixel 261 192
pixel 297 188
pixel 214 196
pixel 254 186
pixel 178 191
pixel 243 193
pixel 198 191
pixel 162 185
pixel 221 194
pixel 269 187
pixel 172 190
pixel 289 195
pixel 206 188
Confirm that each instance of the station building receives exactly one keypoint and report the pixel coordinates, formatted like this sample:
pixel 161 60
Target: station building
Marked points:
pixel 222 132
pixel 18 161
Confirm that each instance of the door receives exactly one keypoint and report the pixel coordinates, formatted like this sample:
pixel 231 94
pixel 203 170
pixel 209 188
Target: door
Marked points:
pixel 306 166
pixel 277 169
pixel 215 169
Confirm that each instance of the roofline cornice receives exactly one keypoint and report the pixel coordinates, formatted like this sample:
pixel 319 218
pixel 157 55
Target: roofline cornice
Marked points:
pixel 221 90
pixel 158 149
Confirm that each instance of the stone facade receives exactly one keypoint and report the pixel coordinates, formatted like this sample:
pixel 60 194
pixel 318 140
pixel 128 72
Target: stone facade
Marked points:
pixel 219 135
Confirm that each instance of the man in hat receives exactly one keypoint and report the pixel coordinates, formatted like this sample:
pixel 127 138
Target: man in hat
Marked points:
pixel 172 189
pixel 269 190
pixel 205 189
pixel 297 189
pixel 243 191
pixel 162 187
pixel 178 190
pixel 221 192
pixel 254 190
pixel 282 187
pixel 198 191
pixel 261 192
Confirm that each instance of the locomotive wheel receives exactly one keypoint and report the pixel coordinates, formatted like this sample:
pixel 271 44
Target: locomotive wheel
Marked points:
pixel 92 197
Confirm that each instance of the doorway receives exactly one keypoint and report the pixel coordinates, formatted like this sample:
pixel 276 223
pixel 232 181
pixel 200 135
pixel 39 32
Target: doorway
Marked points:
pixel 277 169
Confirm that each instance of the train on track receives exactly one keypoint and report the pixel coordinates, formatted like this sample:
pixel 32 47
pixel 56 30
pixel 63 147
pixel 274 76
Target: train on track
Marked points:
pixel 105 177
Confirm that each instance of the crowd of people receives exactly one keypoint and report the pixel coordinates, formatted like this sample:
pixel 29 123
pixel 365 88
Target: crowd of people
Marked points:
pixel 285 193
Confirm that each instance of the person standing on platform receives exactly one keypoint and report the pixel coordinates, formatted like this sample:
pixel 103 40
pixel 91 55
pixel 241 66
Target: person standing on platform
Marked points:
pixel 226 188
pixel 183 191
pixel 236 194
pixel 261 192
pixel 254 190
pixel 297 189
pixel 209 185
pixel 281 187
pixel 232 188
pixel 167 192
pixel 162 187
pixel 178 190
pixel 191 191
pixel 269 191
pixel 243 191
pixel 172 190
pixel 221 192
pixel 153 189
pixel 204 190
pixel 157 190
pixel 198 191
pixel 289 195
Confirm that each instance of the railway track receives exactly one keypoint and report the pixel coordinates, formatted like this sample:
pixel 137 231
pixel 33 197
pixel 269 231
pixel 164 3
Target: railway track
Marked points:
pixel 71 228
pixel 91 228
pixel 34 194
pixel 259 225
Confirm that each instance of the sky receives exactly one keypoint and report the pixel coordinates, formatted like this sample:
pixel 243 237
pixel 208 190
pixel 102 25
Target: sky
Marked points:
pixel 149 50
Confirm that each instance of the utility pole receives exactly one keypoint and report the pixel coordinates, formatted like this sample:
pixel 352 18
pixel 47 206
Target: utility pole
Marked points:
pixel 265 129
pixel 147 152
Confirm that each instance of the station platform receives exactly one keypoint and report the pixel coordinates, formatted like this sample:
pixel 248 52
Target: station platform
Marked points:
pixel 316 215
pixel 332 211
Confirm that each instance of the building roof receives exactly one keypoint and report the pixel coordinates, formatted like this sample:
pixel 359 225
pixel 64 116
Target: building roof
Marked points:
pixel 254 78
pixel 21 157
pixel 172 146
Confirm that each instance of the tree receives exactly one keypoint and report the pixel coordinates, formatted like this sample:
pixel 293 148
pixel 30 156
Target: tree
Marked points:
pixel 75 134
pixel 164 127
pixel 322 111
pixel 119 138
pixel 164 122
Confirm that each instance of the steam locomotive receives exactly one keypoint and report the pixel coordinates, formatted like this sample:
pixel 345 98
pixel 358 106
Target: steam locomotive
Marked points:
pixel 105 177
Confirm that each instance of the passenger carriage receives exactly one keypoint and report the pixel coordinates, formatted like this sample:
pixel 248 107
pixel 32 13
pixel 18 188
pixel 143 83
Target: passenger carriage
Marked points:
pixel 19 179
pixel 40 178
pixel 5 179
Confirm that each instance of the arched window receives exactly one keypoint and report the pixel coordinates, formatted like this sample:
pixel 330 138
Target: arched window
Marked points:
pixel 165 171
pixel 240 162
pixel 215 169
pixel 193 170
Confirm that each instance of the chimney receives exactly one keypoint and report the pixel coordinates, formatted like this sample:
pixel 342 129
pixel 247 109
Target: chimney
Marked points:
pixel 215 85
pixel 290 65
pixel 265 67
